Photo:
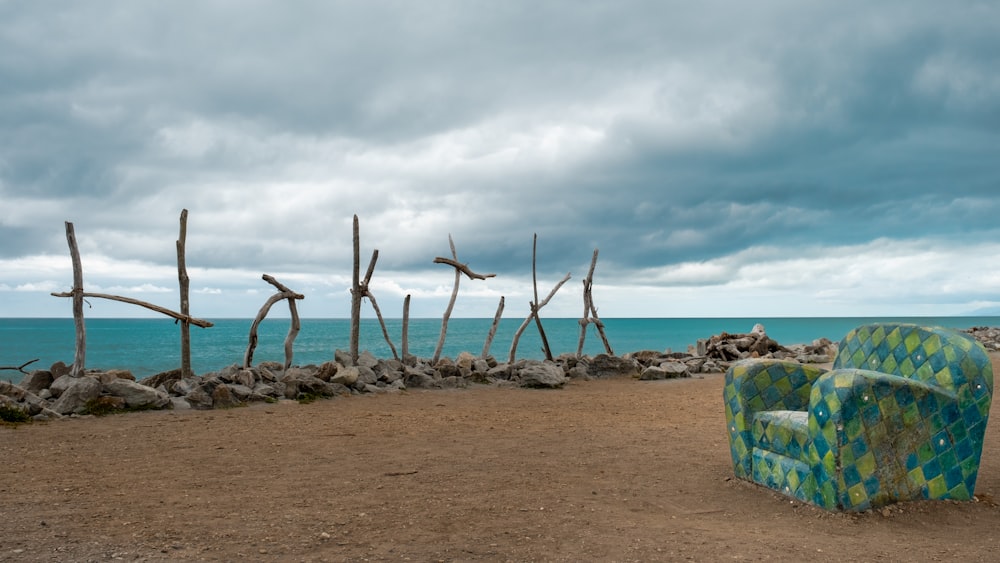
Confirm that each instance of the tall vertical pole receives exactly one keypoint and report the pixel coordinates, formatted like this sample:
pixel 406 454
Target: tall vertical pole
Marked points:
pixel 185 283
pixel 356 295
pixel 80 356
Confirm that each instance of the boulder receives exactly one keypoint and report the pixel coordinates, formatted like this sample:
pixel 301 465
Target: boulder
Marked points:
pixel 137 396
pixel 675 369
pixel 223 398
pixel 37 380
pixel 346 376
pixel 75 395
pixel 542 375
pixel 603 365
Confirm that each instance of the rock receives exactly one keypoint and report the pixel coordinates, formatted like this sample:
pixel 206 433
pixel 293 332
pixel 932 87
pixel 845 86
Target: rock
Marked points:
pixel 200 398
pixel 135 395
pixel 603 365
pixel 37 380
pixel 542 375
pixel 652 373
pixel 59 369
pixel 673 370
pixel 367 359
pixel 366 376
pixel 346 376
pixel 60 384
pixel 327 371
pixel 223 398
pixel 112 374
pixel 164 379
pixel 74 397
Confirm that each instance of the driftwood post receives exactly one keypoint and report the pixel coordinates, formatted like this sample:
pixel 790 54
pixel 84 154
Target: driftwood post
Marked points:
pixel 80 355
pixel 184 282
pixel 535 307
pixel 406 328
pixel 356 295
pixel 459 270
pixel 365 291
pixel 534 283
pixel 293 330
pixel 493 329
pixel 590 311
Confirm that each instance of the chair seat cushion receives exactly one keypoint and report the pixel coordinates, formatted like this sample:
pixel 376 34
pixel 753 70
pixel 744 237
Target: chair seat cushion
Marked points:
pixel 782 432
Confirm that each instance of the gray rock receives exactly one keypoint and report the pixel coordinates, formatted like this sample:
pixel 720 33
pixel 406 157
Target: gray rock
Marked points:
pixel 223 397
pixel 346 376
pixel 137 396
pixel 201 397
pixel 37 380
pixel 60 384
pixel 652 373
pixel 542 375
pixel 59 369
pixel 75 395
pixel 603 365
pixel 675 369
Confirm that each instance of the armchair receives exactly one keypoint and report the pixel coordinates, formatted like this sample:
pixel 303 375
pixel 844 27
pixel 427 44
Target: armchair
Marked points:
pixel 901 416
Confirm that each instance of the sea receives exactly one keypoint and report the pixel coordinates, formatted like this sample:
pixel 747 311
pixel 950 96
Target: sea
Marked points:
pixel 147 346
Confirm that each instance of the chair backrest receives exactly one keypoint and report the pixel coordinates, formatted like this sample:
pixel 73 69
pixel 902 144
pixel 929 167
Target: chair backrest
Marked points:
pixel 937 356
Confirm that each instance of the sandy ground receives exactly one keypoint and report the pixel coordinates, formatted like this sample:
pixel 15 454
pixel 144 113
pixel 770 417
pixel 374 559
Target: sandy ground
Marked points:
pixel 613 470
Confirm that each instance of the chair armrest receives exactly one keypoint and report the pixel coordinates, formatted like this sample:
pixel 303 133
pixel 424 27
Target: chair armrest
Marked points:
pixel 871 430
pixel 760 385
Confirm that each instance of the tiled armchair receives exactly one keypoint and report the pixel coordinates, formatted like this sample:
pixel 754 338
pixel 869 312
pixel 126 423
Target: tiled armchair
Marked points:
pixel 900 417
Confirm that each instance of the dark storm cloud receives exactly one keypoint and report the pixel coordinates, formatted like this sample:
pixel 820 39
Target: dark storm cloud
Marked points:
pixel 661 133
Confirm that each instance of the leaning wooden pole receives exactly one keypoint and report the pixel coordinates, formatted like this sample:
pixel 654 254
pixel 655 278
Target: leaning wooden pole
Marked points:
pixel 493 329
pixel 451 306
pixel 527 321
pixel 185 284
pixel 356 295
pixel 538 319
pixel 80 356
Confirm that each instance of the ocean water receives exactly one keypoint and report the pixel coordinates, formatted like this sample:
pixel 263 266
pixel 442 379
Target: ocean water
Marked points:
pixel 149 346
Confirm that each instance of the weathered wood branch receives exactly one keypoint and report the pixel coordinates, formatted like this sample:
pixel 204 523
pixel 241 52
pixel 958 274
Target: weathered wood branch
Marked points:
pixel 406 329
pixel 356 295
pixel 534 311
pixel 464 268
pixel 534 283
pixel 184 283
pixel 19 368
pixel 293 331
pixel 196 322
pixel 493 329
pixel 80 354
pixel 590 311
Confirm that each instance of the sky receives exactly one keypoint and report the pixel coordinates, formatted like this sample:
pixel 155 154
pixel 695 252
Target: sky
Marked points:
pixel 727 159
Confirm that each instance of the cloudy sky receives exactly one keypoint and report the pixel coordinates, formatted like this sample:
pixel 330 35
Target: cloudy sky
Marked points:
pixel 774 158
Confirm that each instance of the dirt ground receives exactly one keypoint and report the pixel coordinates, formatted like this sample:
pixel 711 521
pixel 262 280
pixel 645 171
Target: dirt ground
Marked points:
pixel 612 470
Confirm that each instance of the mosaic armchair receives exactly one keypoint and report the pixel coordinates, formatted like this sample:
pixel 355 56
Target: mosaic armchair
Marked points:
pixel 900 417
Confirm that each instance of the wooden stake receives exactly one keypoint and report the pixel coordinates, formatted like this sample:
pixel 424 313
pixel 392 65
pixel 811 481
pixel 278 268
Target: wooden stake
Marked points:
pixel 590 311
pixel 356 295
pixel 493 329
pixel 406 328
pixel 538 320
pixel 185 283
pixel 80 356
pixel 293 330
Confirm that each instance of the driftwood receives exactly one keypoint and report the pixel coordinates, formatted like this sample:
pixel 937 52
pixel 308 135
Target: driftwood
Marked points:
pixel 534 284
pixel 78 295
pixel 80 354
pixel 360 289
pixel 459 270
pixel 493 329
pixel 184 283
pixel 356 295
pixel 19 368
pixel 590 312
pixel 406 328
pixel 534 313
pixel 173 314
pixel 293 330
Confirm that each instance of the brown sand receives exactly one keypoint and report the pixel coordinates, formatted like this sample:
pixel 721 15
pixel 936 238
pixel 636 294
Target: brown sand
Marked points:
pixel 614 470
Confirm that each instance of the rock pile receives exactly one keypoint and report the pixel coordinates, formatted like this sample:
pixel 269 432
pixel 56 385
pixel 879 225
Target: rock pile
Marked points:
pixel 52 393
pixel 988 336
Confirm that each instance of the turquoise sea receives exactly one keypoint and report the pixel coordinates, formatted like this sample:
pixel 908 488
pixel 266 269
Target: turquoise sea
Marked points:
pixel 151 345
